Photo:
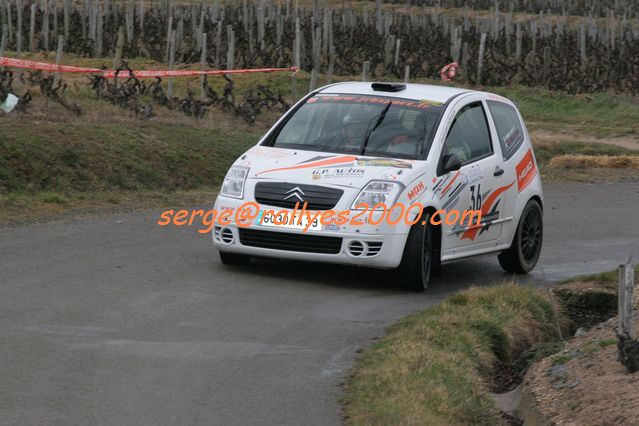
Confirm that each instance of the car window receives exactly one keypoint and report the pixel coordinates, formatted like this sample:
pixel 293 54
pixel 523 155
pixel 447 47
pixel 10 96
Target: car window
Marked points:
pixel 509 129
pixel 341 123
pixel 468 137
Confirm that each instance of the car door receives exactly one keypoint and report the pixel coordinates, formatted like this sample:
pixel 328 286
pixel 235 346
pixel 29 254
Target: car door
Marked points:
pixel 510 132
pixel 477 185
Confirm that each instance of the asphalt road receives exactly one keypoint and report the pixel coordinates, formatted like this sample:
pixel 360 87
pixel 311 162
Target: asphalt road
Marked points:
pixel 116 321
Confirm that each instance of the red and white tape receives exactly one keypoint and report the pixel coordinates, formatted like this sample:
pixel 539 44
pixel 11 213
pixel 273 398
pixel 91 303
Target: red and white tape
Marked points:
pixel 45 66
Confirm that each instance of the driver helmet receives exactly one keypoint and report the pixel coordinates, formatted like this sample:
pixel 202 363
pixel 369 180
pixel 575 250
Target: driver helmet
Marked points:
pixel 355 123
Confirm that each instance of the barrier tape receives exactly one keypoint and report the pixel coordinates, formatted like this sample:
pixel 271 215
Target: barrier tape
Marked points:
pixel 45 66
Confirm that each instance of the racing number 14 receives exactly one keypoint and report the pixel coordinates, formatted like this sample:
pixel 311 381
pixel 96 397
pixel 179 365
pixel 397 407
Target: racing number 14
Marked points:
pixel 475 197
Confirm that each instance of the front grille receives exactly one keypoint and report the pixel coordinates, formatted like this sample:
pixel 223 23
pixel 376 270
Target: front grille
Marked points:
pixel 290 242
pixel 317 197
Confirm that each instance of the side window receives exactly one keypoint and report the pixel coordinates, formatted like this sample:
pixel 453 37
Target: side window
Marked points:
pixel 509 130
pixel 469 137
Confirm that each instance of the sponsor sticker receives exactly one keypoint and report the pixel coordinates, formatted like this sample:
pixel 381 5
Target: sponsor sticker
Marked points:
pixel 526 171
pixel 270 152
pixel 416 190
pixel 384 162
pixel 475 174
pixel 343 172
pixel 371 100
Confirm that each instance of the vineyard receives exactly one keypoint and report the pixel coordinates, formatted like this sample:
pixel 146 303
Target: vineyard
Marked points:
pixel 576 46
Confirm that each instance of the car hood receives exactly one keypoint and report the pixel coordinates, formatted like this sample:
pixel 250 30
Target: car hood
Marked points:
pixel 315 167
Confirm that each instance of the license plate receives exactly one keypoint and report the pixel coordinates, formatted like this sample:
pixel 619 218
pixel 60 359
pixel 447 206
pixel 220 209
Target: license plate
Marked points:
pixel 286 220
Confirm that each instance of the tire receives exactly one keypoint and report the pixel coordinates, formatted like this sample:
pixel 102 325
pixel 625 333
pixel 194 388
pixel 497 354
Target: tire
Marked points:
pixel 417 260
pixel 523 254
pixel 234 258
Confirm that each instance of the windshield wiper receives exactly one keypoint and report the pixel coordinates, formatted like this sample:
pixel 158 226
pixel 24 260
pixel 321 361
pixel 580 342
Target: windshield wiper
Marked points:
pixel 419 149
pixel 377 124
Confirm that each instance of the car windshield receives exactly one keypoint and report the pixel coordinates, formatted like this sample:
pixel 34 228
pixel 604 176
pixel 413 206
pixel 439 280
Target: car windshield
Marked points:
pixel 361 124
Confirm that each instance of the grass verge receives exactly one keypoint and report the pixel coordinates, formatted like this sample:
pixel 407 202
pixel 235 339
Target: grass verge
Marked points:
pixel 49 168
pixel 435 367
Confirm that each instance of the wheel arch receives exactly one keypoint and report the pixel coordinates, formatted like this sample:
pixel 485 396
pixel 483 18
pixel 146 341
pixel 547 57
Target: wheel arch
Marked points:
pixel 538 199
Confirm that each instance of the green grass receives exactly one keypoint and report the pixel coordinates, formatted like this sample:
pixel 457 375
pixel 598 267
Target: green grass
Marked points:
pixel 82 157
pixel 599 114
pixel 602 277
pixel 434 367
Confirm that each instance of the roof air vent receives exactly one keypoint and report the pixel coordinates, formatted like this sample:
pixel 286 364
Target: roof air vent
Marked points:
pixel 388 87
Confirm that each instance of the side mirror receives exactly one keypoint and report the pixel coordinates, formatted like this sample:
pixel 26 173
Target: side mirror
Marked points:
pixel 450 163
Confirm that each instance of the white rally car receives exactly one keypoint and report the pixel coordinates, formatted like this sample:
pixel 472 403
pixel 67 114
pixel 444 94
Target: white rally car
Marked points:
pixel 351 143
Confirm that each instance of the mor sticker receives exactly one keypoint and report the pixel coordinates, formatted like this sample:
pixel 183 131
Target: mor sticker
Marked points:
pixel 526 171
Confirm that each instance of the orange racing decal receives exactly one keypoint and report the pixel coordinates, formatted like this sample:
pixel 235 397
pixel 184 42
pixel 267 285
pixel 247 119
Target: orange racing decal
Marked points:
pixel 472 232
pixel 450 183
pixel 328 162
pixel 526 171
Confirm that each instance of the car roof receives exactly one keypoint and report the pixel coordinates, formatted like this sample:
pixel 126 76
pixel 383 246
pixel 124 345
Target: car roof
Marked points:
pixel 413 91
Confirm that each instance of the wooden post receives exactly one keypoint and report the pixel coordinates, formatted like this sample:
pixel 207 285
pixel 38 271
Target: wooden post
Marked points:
pixel 130 10
pixel 67 17
pixel 407 74
pixel 297 60
pixel 19 28
pixel 169 90
pixel 32 29
pixel 313 83
pixel 365 71
pixel 4 19
pixel 92 21
pixel 203 66
pixel 331 64
pixel 218 44
pixel 119 47
pixel 168 39
pixel 230 52
pixel 200 32
pixel 142 17
pixel 3 41
pixel 45 25
pixel 58 56
pixel 99 28
pixel 294 86
pixel 317 58
pixel 7 19
pixel 480 60
pixel 260 24
pixel 626 299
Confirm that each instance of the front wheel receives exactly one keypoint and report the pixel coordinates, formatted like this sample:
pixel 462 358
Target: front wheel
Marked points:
pixel 523 254
pixel 417 259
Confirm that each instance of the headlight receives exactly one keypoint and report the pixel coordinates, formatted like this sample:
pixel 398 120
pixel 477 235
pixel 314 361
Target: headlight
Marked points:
pixel 378 192
pixel 233 185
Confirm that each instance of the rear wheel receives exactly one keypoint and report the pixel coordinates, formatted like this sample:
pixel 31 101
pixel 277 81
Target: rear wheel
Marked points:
pixel 234 258
pixel 417 259
pixel 523 254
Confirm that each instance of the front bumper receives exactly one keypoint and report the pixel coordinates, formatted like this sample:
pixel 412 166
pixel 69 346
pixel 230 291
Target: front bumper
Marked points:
pixel 375 246
pixel 389 256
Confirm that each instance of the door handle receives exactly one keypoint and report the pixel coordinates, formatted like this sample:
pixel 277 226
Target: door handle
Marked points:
pixel 498 171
